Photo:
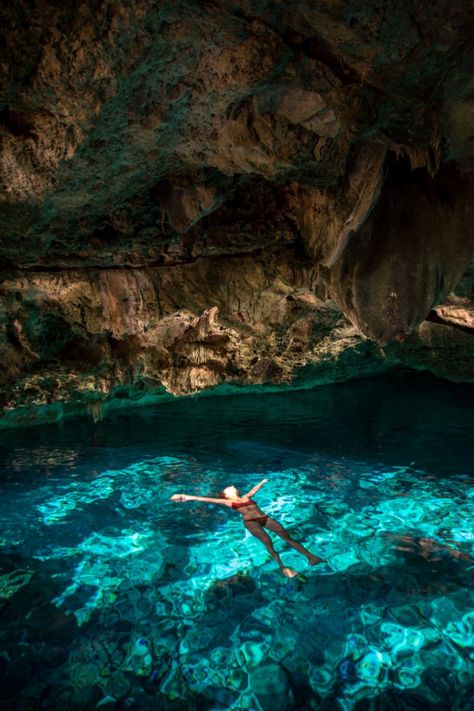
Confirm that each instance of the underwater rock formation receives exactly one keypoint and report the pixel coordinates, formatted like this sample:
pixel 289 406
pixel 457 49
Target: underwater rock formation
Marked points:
pixel 196 193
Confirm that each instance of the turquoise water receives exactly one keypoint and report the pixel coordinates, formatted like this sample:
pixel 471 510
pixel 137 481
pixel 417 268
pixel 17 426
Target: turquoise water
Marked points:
pixel 112 596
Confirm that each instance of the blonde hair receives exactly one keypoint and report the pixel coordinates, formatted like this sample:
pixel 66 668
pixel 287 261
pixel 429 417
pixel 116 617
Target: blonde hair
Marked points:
pixel 223 495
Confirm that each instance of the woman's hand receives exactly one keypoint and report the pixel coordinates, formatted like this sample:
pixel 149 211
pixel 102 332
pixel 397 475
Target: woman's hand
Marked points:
pixel 256 488
pixel 179 497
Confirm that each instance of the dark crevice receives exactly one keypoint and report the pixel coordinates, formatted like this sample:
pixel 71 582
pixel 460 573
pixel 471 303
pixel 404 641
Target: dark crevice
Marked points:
pixel 158 263
pixel 17 123
pixel 434 317
pixel 399 174
pixel 105 235
pixel 78 267
pixel 317 48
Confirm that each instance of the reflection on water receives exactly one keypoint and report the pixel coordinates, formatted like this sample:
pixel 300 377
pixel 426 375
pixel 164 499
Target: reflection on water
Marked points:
pixel 113 595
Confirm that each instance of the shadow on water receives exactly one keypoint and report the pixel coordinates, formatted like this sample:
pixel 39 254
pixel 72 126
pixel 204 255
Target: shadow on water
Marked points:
pixel 395 420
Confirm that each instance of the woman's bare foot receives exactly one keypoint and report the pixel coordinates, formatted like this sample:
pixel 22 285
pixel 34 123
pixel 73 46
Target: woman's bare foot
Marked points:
pixel 289 572
pixel 314 560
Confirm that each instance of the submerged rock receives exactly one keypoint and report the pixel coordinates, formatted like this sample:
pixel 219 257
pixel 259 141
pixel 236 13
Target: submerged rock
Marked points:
pixel 269 684
pixel 238 584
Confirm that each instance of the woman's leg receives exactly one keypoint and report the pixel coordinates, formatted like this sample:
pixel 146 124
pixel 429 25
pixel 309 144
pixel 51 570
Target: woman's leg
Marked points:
pixel 257 531
pixel 277 528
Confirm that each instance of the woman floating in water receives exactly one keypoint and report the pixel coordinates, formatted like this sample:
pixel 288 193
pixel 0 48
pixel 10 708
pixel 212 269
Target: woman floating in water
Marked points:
pixel 255 521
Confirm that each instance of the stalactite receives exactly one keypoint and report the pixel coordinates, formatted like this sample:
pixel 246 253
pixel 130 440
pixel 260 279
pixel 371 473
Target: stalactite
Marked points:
pixel 96 408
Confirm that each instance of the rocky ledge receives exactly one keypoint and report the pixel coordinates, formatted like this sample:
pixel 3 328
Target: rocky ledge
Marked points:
pixel 231 194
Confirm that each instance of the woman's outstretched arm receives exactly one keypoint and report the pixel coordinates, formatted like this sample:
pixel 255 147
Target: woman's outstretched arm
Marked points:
pixel 188 497
pixel 255 488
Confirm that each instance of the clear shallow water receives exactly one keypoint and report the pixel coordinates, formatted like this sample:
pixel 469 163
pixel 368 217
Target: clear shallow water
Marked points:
pixel 113 596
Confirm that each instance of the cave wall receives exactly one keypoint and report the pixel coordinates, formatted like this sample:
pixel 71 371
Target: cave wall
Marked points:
pixel 81 334
pixel 207 192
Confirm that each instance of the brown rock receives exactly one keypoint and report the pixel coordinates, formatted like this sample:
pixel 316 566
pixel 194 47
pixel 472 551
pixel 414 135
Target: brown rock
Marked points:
pixel 195 194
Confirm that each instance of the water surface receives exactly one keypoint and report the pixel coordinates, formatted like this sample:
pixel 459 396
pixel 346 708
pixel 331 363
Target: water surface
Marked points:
pixel 113 596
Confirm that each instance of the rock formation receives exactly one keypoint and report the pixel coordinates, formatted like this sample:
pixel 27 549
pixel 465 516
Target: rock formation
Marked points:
pixel 206 192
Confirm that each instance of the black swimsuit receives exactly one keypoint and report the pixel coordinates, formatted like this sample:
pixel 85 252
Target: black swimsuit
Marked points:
pixel 260 519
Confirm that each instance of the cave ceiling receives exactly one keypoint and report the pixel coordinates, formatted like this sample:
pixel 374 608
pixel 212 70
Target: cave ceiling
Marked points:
pixel 125 124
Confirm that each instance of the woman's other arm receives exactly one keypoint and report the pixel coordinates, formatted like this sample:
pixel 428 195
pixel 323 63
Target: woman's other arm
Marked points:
pixel 255 489
pixel 188 497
